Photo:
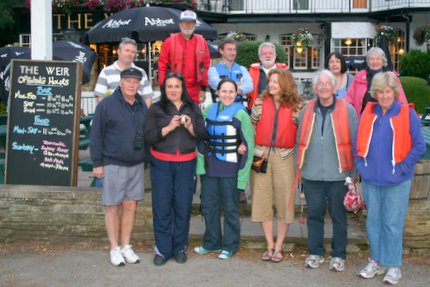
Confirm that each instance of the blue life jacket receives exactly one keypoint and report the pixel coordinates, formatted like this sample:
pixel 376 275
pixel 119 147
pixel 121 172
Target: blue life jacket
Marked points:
pixel 223 136
pixel 235 73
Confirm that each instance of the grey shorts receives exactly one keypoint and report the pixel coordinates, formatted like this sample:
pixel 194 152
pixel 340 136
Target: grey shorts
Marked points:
pixel 121 183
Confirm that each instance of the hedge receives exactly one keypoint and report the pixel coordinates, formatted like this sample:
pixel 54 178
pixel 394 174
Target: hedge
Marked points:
pixel 417 91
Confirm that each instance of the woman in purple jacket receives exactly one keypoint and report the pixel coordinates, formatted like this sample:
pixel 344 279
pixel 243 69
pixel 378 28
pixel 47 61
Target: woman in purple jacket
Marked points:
pixel 386 171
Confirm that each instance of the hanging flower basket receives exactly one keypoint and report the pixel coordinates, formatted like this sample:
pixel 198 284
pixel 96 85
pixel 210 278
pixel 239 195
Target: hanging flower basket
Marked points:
pixel 302 38
pixel 238 36
pixel 422 34
pixel 389 32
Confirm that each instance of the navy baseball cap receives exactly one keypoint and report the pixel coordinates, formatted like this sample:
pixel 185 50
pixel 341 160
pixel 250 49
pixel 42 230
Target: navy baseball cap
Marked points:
pixel 131 73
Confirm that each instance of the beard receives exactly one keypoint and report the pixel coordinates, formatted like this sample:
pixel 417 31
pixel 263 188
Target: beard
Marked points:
pixel 268 63
pixel 187 32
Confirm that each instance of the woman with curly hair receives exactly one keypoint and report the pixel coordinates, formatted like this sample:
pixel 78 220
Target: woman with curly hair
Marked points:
pixel 274 115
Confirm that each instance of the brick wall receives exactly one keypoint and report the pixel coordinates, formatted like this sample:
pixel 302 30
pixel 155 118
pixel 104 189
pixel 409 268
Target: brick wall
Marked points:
pixel 60 215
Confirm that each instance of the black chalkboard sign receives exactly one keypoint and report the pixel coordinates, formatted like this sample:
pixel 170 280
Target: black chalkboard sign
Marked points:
pixel 42 138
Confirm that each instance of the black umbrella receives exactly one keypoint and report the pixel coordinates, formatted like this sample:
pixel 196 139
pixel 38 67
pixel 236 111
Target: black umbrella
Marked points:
pixel 68 51
pixel 144 24
pixel 384 45
pixel 8 53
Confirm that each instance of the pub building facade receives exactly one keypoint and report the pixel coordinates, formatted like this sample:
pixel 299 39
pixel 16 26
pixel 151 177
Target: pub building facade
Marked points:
pixel 347 26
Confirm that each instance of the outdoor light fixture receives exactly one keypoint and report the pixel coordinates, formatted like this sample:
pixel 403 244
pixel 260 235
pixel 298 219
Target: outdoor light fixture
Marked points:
pixel 401 52
pixel 348 42
pixel 299 47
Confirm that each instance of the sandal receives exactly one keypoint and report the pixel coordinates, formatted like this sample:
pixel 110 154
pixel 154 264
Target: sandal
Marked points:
pixel 267 255
pixel 277 256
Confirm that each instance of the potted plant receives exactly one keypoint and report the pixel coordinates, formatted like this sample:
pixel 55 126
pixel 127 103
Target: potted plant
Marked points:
pixel 302 38
pixel 388 31
pixel 422 34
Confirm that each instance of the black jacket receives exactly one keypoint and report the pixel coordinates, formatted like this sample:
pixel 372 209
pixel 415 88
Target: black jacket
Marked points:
pixel 180 138
pixel 115 127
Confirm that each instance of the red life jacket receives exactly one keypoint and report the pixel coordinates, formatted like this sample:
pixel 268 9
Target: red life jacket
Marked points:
pixel 340 126
pixel 285 127
pixel 177 55
pixel 254 72
pixel 400 124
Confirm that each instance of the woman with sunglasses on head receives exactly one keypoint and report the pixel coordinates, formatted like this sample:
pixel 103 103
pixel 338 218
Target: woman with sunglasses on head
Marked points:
pixel 173 127
pixel 225 170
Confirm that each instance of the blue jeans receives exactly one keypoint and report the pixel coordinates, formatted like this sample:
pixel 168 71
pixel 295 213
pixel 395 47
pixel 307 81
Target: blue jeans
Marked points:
pixel 386 212
pixel 173 185
pixel 220 192
pixel 320 196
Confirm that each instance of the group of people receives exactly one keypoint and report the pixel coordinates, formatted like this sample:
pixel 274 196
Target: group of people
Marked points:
pixel 257 116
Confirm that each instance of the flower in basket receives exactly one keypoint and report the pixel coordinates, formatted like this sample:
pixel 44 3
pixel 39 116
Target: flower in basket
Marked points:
pixel 389 32
pixel 422 34
pixel 302 38
pixel 238 36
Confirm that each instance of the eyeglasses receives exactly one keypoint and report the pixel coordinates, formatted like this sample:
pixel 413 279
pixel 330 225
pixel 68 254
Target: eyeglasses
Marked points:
pixel 324 85
pixel 174 74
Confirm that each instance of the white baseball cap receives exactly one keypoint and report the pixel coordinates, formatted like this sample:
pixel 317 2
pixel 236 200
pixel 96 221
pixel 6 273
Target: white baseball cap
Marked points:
pixel 188 15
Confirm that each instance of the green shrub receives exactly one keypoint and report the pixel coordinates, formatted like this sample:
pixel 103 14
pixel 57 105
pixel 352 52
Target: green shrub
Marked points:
pixel 2 107
pixel 247 53
pixel 417 91
pixel 415 64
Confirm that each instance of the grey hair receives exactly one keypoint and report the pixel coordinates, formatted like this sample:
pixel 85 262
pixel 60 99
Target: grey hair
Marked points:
pixel 125 41
pixel 379 52
pixel 266 44
pixel 382 80
pixel 327 73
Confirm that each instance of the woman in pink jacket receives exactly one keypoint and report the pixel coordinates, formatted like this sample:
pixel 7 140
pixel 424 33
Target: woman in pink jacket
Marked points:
pixel 358 94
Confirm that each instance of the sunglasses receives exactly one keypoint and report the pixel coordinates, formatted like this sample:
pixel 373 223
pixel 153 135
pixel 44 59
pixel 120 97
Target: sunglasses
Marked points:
pixel 174 74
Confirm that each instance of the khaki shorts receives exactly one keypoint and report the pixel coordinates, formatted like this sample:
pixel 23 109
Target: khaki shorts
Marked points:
pixel 274 188
pixel 121 183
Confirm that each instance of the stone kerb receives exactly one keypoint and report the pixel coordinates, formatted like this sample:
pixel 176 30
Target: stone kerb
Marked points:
pixel 60 215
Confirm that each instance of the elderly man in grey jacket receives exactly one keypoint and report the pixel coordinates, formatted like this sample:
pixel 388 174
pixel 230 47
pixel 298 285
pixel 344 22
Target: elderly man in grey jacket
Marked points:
pixel 327 128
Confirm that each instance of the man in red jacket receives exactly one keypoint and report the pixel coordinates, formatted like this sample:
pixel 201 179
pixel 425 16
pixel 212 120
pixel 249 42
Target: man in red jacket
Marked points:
pixel 186 53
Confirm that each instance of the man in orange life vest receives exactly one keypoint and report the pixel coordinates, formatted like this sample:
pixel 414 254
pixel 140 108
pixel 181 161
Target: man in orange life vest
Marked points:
pixel 259 71
pixel 327 128
pixel 186 53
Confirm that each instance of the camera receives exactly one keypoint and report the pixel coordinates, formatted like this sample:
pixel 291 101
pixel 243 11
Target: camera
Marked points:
pixel 263 168
pixel 139 143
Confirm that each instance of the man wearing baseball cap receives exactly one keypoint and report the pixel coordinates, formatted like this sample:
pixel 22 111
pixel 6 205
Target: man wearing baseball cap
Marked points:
pixel 117 152
pixel 186 53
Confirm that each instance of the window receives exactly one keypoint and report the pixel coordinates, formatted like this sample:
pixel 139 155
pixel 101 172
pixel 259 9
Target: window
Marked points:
pixel 359 4
pixel 354 50
pixel 301 5
pixel 302 58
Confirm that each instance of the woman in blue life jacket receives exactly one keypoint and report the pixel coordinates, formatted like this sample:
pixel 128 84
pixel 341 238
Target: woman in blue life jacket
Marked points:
pixel 224 164
pixel 275 116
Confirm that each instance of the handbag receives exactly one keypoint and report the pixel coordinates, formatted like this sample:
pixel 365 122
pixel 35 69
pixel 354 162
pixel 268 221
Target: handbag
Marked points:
pixel 353 200
pixel 259 164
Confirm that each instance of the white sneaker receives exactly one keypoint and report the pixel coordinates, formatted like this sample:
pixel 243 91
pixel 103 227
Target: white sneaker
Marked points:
pixel 337 264
pixel 129 254
pixel 393 276
pixel 372 268
pixel 116 258
pixel 314 261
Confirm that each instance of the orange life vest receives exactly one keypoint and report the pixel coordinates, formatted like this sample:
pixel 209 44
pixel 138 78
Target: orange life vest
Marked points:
pixel 286 129
pixel 177 55
pixel 254 72
pixel 400 124
pixel 340 126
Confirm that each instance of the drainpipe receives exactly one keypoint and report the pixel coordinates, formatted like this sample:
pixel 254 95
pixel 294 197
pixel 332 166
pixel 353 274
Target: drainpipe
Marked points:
pixel 408 31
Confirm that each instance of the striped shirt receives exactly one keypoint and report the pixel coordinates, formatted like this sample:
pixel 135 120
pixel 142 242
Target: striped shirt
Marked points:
pixel 109 79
